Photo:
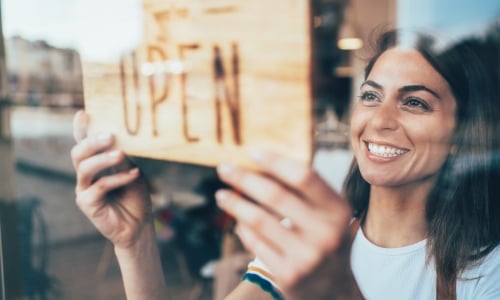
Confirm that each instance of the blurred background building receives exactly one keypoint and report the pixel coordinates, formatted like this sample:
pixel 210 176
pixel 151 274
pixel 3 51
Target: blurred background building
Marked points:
pixel 40 74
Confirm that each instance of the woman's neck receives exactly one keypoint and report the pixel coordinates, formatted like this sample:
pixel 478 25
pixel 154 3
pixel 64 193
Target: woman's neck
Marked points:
pixel 396 216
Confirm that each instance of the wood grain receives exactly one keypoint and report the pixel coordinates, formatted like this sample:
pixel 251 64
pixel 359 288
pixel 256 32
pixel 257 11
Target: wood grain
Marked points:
pixel 212 78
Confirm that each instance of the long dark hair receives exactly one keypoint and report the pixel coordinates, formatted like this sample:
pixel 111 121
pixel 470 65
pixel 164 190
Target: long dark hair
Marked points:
pixel 462 210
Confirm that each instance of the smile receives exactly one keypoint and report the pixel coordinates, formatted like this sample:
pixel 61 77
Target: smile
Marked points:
pixel 385 151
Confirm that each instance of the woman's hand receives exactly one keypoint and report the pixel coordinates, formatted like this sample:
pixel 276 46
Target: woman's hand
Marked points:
pixel 109 191
pixel 309 253
pixel 115 198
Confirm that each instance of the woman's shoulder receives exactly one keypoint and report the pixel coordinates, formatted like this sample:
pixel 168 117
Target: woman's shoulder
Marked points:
pixel 481 279
pixel 491 261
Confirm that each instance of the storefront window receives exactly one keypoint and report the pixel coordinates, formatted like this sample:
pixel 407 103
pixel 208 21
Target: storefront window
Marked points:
pixel 54 50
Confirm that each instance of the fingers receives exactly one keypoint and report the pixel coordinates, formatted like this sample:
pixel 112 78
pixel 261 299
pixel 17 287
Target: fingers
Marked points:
pixel 93 167
pixel 286 188
pixel 260 232
pixel 267 192
pixel 276 194
pixel 253 216
pixel 298 262
pixel 318 225
pixel 277 246
pixel 300 258
pixel 297 175
pixel 92 159
pixel 264 251
pixel 93 162
pixel 90 146
pixel 80 125
pixel 90 199
pixel 318 214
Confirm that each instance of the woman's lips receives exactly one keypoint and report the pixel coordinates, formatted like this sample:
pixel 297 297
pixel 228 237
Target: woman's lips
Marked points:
pixel 386 151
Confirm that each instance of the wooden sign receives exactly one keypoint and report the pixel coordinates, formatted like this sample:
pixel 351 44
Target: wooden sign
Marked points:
pixel 210 80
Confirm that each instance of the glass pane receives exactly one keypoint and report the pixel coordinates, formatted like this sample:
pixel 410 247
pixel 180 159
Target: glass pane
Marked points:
pixel 292 50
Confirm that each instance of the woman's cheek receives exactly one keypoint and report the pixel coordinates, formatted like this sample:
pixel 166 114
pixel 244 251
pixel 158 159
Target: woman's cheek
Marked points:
pixel 358 121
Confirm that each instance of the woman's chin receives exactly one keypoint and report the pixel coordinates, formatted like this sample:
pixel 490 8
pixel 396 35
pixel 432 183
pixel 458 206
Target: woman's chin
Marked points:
pixel 376 179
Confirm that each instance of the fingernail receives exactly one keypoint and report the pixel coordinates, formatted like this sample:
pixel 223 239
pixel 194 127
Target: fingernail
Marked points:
pixel 225 169
pixel 114 153
pixel 258 155
pixel 104 137
pixel 222 196
pixel 81 133
pixel 134 171
pixel 241 232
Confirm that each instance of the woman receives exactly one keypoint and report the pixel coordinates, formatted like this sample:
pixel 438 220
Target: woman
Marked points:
pixel 421 188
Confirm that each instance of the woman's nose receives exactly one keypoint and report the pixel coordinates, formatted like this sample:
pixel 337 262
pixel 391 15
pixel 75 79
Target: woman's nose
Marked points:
pixel 385 116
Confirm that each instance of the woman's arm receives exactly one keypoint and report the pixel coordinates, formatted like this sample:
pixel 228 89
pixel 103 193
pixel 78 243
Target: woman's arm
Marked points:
pixel 141 268
pixel 248 291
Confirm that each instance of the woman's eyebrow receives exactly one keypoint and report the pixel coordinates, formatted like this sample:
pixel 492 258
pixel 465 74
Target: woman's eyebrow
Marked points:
pixel 414 88
pixel 372 84
pixel 406 88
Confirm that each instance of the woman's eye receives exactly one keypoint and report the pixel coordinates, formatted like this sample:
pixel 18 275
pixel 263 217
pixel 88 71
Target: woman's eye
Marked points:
pixel 368 96
pixel 417 103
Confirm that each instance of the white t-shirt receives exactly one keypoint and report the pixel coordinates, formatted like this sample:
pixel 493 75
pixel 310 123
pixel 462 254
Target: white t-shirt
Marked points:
pixel 401 273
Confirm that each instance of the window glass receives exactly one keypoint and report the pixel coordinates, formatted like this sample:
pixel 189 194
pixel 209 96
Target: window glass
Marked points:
pixel 48 247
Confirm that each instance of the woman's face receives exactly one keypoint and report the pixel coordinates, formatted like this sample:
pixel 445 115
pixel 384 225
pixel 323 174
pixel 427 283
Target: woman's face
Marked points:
pixel 402 124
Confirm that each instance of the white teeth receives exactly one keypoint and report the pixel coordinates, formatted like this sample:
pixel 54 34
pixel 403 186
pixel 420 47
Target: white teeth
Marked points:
pixel 385 151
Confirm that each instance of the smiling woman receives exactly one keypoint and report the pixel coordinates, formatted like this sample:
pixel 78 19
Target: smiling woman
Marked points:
pixel 441 176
